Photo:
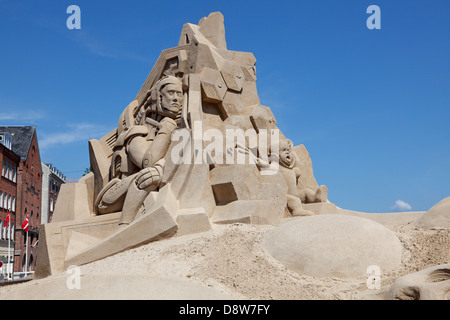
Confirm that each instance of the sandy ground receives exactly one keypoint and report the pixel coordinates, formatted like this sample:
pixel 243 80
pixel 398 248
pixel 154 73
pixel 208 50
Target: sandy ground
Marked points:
pixel 227 262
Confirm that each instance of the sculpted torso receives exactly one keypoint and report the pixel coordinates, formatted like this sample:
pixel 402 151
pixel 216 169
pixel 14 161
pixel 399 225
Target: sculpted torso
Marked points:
pixel 140 150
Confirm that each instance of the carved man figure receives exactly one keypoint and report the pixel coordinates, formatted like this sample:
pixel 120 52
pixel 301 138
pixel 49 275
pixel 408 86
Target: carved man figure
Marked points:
pixel 144 137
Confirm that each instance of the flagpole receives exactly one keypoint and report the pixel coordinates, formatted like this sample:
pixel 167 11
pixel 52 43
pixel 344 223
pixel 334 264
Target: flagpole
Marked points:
pixel 8 267
pixel 25 227
pixel 26 256
pixel 9 249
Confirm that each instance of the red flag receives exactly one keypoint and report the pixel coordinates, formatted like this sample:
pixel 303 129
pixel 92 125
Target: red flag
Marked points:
pixel 7 218
pixel 25 225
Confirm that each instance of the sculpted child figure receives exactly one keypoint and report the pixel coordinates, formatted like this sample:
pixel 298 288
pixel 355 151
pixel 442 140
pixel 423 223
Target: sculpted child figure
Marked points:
pixel 288 166
pixel 285 162
pixel 144 137
pixel 291 173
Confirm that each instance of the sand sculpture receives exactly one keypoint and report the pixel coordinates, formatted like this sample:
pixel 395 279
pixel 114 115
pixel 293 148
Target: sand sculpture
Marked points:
pixel 194 148
pixel 429 284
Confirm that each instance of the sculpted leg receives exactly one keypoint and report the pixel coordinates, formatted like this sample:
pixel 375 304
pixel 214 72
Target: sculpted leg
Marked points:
pixel 295 207
pixel 308 195
pixel 145 181
pixel 322 194
pixel 112 196
pixel 133 202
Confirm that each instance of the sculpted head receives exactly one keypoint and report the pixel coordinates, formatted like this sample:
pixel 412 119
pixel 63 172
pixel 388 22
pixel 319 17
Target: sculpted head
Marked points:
pixel 286 156
pixel 170 96
pixel 432 283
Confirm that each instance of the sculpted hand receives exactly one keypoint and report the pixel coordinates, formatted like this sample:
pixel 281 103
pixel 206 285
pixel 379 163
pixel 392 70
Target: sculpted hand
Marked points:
pixel 168 125
pixel 147 177
pixel 179 114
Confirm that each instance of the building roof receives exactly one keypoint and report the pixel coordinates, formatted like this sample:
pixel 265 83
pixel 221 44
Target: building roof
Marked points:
pixel 54 172
pixel 22 136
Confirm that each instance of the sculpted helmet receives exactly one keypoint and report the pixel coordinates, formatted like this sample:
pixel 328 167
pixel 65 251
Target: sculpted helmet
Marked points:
pixel 159 86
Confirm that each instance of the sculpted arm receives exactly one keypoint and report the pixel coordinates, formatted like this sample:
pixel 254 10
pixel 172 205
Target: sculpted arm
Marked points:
pixel 136 149
pixel 160 145
pixel 144 153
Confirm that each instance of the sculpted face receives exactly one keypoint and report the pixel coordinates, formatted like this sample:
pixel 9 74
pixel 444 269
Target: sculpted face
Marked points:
pixel 285 152
pixel 172 98
pixel 430 284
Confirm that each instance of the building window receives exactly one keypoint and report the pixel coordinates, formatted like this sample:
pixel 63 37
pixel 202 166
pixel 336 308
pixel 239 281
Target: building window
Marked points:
pixel 13 208
pixel 10 174
pixel 9 171
pixel 24 258
pixel 5 231
pixel 1 199
pixel 5 201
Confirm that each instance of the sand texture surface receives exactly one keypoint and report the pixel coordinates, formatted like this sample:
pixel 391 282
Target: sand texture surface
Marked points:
pixel 230 262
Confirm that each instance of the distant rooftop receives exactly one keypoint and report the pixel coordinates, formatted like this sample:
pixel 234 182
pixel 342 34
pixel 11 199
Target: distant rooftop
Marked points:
pixel 56 172
pixel 21 137
pixel 5 139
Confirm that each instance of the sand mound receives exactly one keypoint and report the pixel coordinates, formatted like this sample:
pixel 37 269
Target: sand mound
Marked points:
pixel 437 217
pixel 334 245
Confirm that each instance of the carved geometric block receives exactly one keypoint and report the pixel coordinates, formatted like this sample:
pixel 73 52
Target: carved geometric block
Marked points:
pixel 79 242
pixel 236 182
pixel 232 104
pixel 192 220
pixel 234 212
pixel 233 75
pixel 249 73
pixel 248 211
pixel 262 118
pixel 213 85
pixel 213 29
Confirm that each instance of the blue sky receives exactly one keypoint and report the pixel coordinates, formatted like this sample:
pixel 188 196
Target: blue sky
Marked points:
pixel 371 106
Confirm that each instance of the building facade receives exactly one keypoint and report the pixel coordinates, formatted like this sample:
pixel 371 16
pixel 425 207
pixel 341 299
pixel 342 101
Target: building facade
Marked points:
pixel 24 144
pixel 9 162
pixel 52 179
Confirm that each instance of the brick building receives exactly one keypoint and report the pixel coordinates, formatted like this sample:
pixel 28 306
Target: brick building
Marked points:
pixel 8 198
pixel 28 179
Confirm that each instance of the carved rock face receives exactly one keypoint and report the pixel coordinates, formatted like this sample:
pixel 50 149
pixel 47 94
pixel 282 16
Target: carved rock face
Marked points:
pixel 428 284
